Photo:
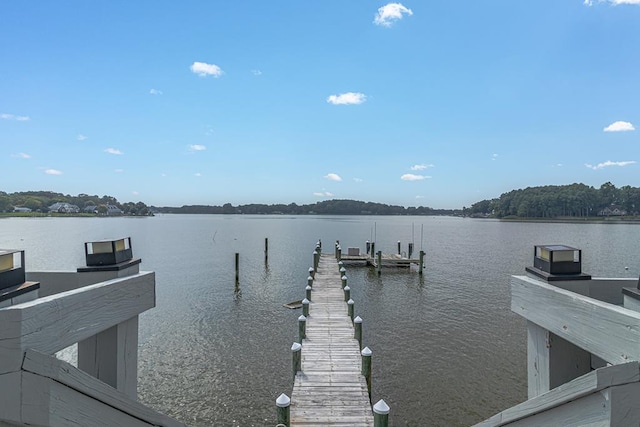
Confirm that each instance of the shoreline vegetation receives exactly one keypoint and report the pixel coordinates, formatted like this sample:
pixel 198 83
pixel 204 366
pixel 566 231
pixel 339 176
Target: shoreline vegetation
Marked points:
pixel 575 203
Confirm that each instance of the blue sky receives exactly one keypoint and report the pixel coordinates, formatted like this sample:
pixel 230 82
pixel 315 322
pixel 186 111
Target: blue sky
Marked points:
pixel 434 103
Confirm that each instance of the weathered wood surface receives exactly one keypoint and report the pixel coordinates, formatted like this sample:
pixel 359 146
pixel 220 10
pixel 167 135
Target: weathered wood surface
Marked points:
pixel 606 396
pixel 608 331
pixel 330 390
pixel 56 393
pixel 55 322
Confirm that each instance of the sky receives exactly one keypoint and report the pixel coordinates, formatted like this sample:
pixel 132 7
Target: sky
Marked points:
pixel 421 103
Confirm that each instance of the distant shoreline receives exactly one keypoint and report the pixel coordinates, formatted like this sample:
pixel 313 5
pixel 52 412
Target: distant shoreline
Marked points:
pixel 576 220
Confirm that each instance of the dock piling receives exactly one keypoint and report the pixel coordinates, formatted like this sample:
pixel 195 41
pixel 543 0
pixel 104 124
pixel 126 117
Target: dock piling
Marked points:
pixel 296 358
pixel 381 414
pixel 283 403
pixel 357 334
pixel 368 246
pixel 305 307
pixel 310 281
pixel 308 289
pixel 366 367
pixel 339 253
pixel 302 327
pixel 344 280
pixel 410 250
pixel 399 247
pixel 379 262
pixel 237 267
pixel 312 272
pixel 316 259
pixel 421 264
pixel 266 249
pixel 350 304
pixel 347 293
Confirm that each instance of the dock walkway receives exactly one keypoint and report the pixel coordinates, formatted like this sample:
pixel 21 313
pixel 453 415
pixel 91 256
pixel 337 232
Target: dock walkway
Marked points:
pixel 330 390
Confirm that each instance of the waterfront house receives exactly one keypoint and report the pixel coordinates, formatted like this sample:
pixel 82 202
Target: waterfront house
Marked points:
pixel 63 207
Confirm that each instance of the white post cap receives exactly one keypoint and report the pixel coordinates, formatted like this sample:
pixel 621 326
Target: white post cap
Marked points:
pixel 344 277
pixel 296 346
pixel 350 302
pixel 302 318
pixel 358 319
pixel 311 270
pixel 283 401
pixel 347 288
pixel 308 288
pixel 381 407
pixel 305 301
pixel 310 278
pixel 366 351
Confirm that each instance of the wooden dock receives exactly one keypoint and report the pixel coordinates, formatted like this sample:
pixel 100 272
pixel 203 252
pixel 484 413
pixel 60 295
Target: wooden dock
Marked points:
pixel 330 389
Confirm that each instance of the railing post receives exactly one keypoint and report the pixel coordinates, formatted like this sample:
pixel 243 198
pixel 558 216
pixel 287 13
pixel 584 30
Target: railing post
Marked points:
pixel 339 253
pixel 381 414
pixel 347 293
pixel 283 403
pixel 350 304
pixel 312 272
pixel 305 307
pixel 379 262
pixel 366 367
pixel 316 260
pixel 310 281
pixel 343 271
pixel 302 327
pixel 340 265
pixel 357 333
pixel 296 358
pixel 344 281
pixel 421 264
pixel 308 290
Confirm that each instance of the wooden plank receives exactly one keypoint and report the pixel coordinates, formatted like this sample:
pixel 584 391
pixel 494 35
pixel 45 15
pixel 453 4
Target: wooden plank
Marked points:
pixel 330 390
pixel 10 396
pixel 48 367
pixel 593 382
pixel 608 331
pixel 55 322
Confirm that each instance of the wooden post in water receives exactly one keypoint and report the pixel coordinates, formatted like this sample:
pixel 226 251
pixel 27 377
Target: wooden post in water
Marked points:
pixel 237 268
pixel 421 264
pixel 410 250
pixel 336 250
pixel 347 293
pixel 316 259
pixel 296 358
pixel 367 246
pixel 305 307
pixel 343 272
pixel 399 247
pixel 344 280
pixel 340 265
pixel 308 290
pixel 266 249
pixel 381 414
pixel 366 367
pixel 350 304
pixel 339 253
pixel 357 334
pixel 373 249
pixel 302 327
pixel 312 272
pixel 379 262
pixel 310 281
pixel 283 403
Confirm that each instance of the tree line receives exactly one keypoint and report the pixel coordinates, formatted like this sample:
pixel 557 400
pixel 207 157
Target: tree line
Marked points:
pixel 325 207
pixel 556 201
pixel 39 201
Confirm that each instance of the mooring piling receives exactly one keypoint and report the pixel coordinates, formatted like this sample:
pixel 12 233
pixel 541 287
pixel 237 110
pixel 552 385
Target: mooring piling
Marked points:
pixel 283 403
pixel 296 358
pixel 305 307
pixel 357 334
pixel 366 367
pixel 381 414
pixel 308 290
pixel 237 267
pixel 350 304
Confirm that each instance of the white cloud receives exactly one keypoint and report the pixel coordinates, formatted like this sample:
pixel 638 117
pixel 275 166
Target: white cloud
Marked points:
pixel 6 116
pixel 333 177
pixel 613 2
pixel 348 98
pixel 413 177
pixel 419 197
pixel 22 155
pixel 155 92
pixel 421 167
pixel 81 137
pixel 358 179
pixel 610 163
pixel 203 69
pixel 256 72
pixel 197 147
pixel 113 151
pixel 494 156
pixel 198 174
pixel 323 194
pixel 390 13
pixel 619 126
pixel 53 172
pixel 135 193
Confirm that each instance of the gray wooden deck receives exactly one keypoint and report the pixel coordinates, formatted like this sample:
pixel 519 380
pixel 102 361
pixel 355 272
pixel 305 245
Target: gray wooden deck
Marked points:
pixel 330 390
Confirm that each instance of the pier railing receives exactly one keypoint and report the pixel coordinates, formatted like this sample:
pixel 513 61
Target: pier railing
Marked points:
pixel 583 349
pixel 38 389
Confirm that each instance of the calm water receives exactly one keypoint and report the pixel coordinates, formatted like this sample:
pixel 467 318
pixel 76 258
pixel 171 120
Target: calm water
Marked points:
pixel 447 351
